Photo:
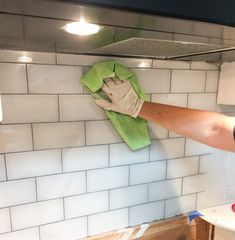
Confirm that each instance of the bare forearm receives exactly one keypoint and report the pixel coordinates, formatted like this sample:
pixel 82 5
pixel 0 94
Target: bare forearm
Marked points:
pixel 207 127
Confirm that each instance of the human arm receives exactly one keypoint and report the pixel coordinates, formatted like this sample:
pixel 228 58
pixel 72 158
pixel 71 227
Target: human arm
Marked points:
pixel 210 128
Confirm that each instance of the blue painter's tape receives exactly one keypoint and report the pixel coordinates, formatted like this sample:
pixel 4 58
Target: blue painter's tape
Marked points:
pixel 193 214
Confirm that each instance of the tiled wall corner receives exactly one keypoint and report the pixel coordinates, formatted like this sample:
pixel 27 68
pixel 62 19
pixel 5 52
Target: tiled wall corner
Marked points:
pixel 65 173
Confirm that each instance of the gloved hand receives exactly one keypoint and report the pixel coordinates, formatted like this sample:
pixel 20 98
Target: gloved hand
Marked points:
pixel 123 97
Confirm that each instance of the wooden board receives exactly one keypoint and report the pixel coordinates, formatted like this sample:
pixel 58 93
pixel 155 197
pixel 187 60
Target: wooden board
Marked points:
pixel 177 228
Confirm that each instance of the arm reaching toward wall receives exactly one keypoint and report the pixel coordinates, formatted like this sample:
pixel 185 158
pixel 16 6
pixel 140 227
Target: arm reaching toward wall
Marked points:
pixel 210 128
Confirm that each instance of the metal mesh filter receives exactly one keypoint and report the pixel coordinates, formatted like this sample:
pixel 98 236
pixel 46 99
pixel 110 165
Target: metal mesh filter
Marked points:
pixel 163 49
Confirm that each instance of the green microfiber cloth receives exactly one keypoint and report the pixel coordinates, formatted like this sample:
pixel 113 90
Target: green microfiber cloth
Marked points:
pixel 132 130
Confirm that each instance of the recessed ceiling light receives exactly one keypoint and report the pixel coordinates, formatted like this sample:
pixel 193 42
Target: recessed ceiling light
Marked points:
pixel 81 28
pixel 25 59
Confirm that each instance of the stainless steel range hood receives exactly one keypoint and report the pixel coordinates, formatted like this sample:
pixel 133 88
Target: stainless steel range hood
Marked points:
pixel 37 25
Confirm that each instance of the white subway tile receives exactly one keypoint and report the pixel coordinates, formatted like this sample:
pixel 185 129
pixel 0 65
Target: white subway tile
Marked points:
pixel 2 168
pixel 180 205
pixel 195 148
pixel 17 192
pixel 171 64
pixel 204 65
pixel 34 57
pixel 175 99
pixel 212 79
pixel 210 199
pixel 61 185
pixel 182 167
pixel 86 204
pixel 66 230
pixel 188 81
pixel 129 196
pixel 167 148
pixel 15 138
pixel 147 172
pixel 83 158
pixel 120 154
pixel 54 79
pixel 13 78
pixel 156 131
pixel 74 59
pixel 27 234
pixel 79 108
pixel 101 132
pixel 195 183
pixel 165 189
pixel 107 178
pixel 29 108
pixel 5 220
pixel 30 164
pixel 204 101
pixel 146 213
pixel 214 162
pixel 210 181
pixel 35 214
pixel 153 80
pixel 108 221
pixel 58 135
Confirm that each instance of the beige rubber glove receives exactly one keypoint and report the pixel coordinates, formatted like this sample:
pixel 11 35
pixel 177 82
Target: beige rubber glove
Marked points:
pixel 123 97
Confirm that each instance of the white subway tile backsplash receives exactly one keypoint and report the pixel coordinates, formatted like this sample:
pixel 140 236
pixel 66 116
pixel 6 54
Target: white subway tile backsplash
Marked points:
pixel 146 213
pixel 147 172
pixel 27 234
pixel 188 81
pixel 175 99
pixel 156 131
pixel 36 57
pixel 86 204
pixel 195 148
pixel 171 64
pixel 35 214
pixel 30 164
pixel 210 198
pixel 29 108
pixel 214 162
pixel 108 221
pixel 13 78
pixel 165 189
pixel 212 79
pixel 101 132
pixel 5 221
pixel 74 59
pixel 83 158
pixel 107 178
pixel 54 79
pixel 129 196
pixel 180 205
pixel 15 138
pixel 79 108
pixel 120 154
pixel 2 168
pixel 17 192
pixel 182 167
pixel 153 80
pixel 166 149
pixel 66 230
pixel 204 101
pixel 61 185
pixel 204 65
pixel 58 135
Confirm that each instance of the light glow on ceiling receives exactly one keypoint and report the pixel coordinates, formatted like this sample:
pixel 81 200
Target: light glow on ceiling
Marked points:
pixel 81 28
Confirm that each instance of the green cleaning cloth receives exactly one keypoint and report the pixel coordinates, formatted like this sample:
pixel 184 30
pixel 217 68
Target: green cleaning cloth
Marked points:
pixel 132 130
